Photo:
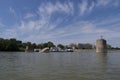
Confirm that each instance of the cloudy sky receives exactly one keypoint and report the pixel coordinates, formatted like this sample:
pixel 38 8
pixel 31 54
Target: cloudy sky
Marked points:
pixel 61 21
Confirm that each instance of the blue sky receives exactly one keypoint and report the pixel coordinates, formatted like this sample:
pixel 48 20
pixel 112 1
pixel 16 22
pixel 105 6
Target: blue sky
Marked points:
pixel 61 21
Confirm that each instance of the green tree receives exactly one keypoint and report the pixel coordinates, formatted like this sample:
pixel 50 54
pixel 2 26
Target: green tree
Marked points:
pixel 45 45
pixel 40 46
pixel 61 46
pixel 11 45
pixel 34 45
pixel 2 44
pixel 50 44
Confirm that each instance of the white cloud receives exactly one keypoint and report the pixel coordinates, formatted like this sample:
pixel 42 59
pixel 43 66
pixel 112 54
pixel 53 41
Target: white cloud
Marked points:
pixel 8 33
pixel 83 7
pixel 103 2
pixel 42 26
pixel 81 27
pixel 107 3
pixel 73 29
pixel 12 10
pixel 86 7
pixel 80 31
pixel 92 5
pixel 29 15
pixel 43 29
pixel 49 8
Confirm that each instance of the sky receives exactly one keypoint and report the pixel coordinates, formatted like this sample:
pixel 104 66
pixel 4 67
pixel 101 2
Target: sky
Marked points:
pixel 61 21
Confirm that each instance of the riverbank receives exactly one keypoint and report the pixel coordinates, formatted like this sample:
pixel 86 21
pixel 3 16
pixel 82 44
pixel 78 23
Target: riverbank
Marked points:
pixel 84 50
pixel 92 50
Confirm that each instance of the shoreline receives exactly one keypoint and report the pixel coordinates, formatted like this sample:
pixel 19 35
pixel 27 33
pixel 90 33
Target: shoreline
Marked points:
pixel 76 50
pixel 84 50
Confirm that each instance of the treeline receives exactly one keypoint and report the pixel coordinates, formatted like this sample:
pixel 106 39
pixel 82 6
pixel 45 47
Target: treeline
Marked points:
pixel 11 45
pixel 17 45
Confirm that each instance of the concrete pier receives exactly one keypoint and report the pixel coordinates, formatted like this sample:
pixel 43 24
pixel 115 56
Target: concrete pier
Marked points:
pixel 101 46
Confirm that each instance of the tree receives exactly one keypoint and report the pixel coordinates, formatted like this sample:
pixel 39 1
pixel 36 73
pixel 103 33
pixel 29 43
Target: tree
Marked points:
pixel 34 45
pixel 28 43
pixel 40 46
pixel 61 46
pixel 2 44
pixel 45 45
pixel 50 44
pixel 11 45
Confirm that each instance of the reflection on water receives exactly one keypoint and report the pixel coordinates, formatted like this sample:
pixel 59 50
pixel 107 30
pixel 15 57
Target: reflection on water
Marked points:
pixel 59 66
pixel 102 60
pixel 102 57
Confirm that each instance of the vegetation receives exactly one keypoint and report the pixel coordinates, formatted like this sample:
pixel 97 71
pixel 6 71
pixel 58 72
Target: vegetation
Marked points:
pixel 10 44
pixel 17 45
pixel 61 46
pixel 50 44
pixel 85 46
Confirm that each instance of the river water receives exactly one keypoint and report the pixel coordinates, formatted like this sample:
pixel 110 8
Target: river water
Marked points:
pixel 60 66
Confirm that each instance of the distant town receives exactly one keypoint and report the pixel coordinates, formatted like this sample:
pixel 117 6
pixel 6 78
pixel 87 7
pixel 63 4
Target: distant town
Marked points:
pixel 13 44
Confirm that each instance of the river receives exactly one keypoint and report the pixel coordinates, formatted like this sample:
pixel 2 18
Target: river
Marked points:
pixel 60 66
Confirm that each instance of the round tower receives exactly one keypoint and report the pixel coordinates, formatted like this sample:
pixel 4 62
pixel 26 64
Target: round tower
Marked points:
pixel 101 46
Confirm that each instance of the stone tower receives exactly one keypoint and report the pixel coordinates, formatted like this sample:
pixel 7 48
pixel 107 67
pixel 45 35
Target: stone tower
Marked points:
pixel 101 45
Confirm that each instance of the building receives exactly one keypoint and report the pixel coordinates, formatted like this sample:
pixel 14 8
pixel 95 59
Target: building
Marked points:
pixel 101 46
